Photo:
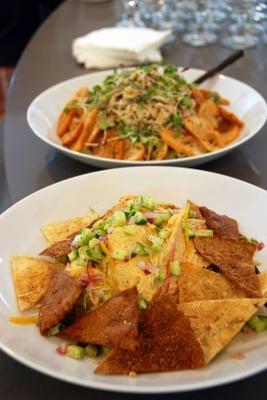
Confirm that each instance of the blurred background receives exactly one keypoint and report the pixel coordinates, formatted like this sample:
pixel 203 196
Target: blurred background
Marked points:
pixel 235 24
pixel 19 19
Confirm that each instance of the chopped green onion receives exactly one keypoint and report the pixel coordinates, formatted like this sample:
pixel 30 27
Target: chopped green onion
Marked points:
pixel 175 268
pixel 142 303
pixel 91 350
pixel 119 218
pixel 76 352
pixel 129 229
pixel 139 218
pixel 120 255
pixel 258 323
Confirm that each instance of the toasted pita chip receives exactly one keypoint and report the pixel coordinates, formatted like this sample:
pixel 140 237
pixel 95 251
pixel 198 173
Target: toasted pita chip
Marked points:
pixel 203 131
pixel 31 277
pixel 216 322
pixel 263 282
pixel 197 283
pixel 114 324
pixel 220 224
pixel 234 259
pixel 167 343
pixel 62 293
pixel 61 230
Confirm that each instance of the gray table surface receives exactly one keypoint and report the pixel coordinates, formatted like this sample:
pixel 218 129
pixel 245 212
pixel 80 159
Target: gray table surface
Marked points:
pixel 27 164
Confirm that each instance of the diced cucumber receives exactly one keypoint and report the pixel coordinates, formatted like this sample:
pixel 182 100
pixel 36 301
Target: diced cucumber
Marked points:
pixel 83 256
pixel 148 202
pixel 73 255
pixel 164 233
pixel 118 218
pixel 91 350
pixel 175 268
pixel 192 214
pixel 139 218
pixel 139 250
pixel 120 255
pixel 53 331
pixel 258 323
pixel 76 352
pixel 94 251
pixel 129 229
pixel 163 218
pixel 156 243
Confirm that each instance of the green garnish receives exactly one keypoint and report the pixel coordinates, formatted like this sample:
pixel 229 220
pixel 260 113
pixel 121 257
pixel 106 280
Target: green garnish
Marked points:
pixel 142 303
pixel 54 331
pixel 159 277
pixel 139 250
pixel 148 202
pixel 120 255
pixel 139 218
pixel 94 251
pixel 92 350
pixel 164 233
pixel 76 352
pixel 156 243
pixel 73 255
pixel 258 323
pixel 192 214
pixel 175 268
pixel 129 229
pixel 118 218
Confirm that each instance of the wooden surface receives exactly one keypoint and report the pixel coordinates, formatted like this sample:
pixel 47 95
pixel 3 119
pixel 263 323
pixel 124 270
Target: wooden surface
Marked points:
pixel 30 164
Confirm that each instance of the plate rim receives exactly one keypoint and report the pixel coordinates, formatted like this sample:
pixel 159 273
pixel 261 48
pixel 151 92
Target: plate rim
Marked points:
pixel 131 388
pixel 108 161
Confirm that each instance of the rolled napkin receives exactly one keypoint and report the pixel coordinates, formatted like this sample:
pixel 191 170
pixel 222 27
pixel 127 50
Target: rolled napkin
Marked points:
pixel 113 47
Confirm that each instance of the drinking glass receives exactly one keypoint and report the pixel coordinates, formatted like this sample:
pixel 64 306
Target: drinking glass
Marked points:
pixel 245 30
pixel 199 32
pixel 131 14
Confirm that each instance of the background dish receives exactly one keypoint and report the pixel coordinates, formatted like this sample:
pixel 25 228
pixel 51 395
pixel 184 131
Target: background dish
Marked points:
pixel 172 184
pixel 248 104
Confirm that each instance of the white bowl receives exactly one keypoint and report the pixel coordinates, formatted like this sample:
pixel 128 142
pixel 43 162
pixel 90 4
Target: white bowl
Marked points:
pixel 248 104
pixel 20 234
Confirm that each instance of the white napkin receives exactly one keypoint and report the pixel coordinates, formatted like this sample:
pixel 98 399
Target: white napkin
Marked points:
pixel 112 47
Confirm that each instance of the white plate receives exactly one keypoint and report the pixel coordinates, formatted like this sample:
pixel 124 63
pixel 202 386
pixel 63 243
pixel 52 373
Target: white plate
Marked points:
pixel 248 104
pixel 20 234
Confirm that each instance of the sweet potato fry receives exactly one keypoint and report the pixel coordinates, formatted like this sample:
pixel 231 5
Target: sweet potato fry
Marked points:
pixel 200 128
pixel 169 138
pixel 231 117
pixel 134 152
pixel 231 134
pixel 64 121
pixel 209 111
pixel 88 125
pixel 94 133
pixel 70 137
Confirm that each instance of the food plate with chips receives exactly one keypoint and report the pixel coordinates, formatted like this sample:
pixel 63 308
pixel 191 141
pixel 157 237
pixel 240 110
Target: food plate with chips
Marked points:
pixel 156 241
pixel 147 115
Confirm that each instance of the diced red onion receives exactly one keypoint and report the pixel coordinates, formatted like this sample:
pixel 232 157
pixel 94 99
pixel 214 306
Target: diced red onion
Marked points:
pixel 103 239
pixel 84 280
pixel 147 267
pixel 62 348
pixel 260 246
